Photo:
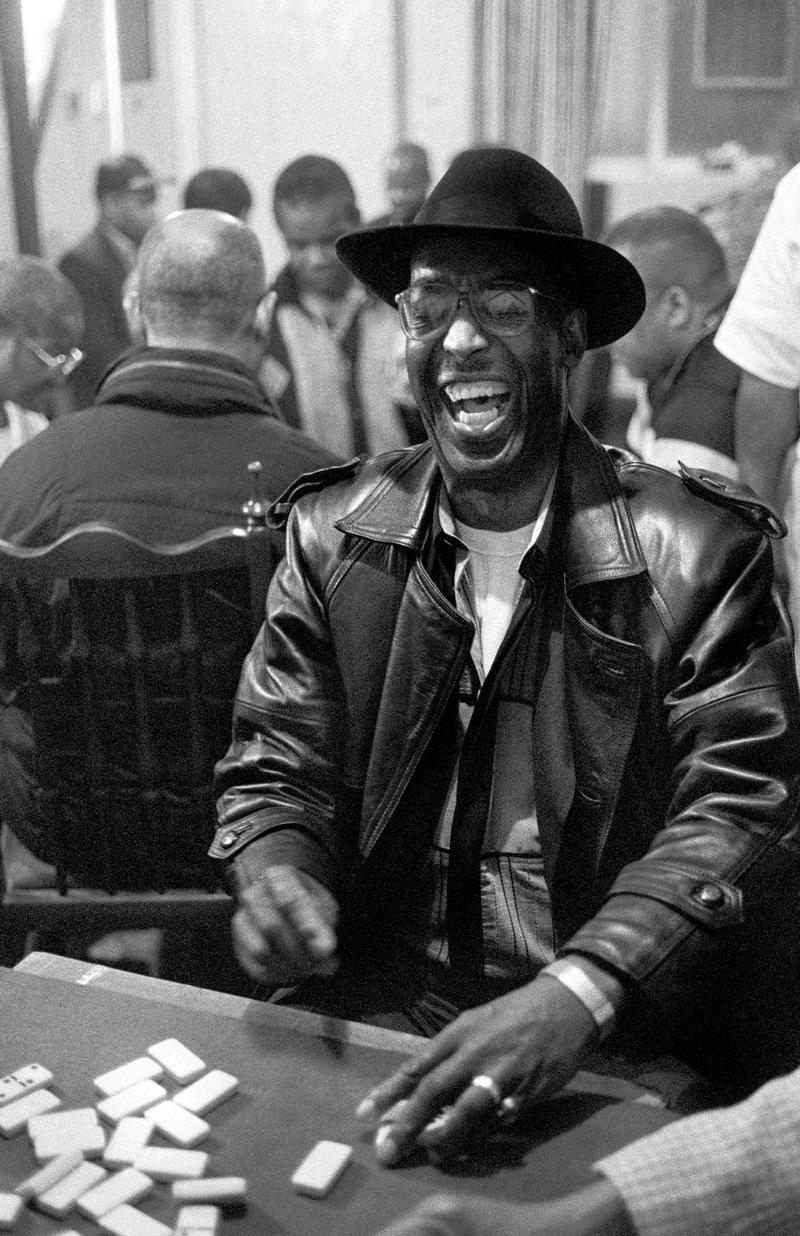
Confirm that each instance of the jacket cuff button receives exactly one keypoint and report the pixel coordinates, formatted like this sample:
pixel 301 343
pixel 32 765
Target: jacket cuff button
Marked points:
pixel 228 840
pixel 710 895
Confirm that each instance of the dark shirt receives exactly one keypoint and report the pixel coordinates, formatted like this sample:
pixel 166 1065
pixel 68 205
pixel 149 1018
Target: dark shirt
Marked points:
pixel 694 401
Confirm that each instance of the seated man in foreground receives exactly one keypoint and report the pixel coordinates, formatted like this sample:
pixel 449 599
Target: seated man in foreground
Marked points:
pixel 515 753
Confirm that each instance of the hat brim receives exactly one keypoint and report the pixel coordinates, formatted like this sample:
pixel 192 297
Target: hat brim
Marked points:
pixel 573 269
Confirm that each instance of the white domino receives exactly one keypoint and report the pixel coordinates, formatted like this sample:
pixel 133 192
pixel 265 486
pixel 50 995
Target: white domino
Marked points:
pixel 126 1186
pixel 171 1163
pixel 90 1141
pixel 56 1169
pixel 60 1199
pixel 126 1220
pixel 60 1123
pixel 197 1221
pixel 128 1075
pixel 129 1137
pixel 320 1169
pixel 207 1092
pixel 131 1102
pixel 10 1206
pixel 210 1189
pixel 177 1125
pixel 23 1081
pixel 14 1116
pixel 178 1062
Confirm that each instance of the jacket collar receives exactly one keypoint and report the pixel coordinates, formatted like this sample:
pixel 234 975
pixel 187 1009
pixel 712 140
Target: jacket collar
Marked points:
pixel 593 523
pixel 183 382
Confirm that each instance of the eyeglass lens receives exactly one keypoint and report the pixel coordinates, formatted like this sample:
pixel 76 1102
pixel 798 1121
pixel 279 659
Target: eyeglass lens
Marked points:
pixel 501 309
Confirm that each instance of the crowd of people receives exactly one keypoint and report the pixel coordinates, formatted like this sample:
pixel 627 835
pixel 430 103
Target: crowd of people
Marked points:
pixel 514 758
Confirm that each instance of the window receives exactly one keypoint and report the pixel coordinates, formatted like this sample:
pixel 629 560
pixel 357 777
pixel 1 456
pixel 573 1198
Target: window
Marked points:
pixel 744 43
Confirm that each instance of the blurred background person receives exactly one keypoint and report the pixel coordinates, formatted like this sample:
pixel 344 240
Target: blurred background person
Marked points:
pixel 685 412
pixel 219 188
pixel 761 333
pixel 407 179
pixel 333 351
pixel 41 322
pixel 127 192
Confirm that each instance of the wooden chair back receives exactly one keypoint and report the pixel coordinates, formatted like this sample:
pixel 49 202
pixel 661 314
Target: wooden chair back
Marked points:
pixel 129 655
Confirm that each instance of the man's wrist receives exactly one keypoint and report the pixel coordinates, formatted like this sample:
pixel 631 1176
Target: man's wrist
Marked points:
pixel 600 1004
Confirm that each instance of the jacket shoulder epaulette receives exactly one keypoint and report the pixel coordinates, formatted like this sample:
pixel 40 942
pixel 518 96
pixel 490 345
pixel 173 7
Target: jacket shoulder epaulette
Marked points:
pixel 723 491
pixel 308 483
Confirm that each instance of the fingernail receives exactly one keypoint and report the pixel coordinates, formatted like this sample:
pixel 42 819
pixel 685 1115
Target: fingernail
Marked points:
pixel 385 1145
pixel 366 1109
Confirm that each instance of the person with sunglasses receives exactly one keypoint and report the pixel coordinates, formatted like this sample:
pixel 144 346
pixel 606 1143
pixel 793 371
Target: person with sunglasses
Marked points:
pixel 514 760
pixel 40 324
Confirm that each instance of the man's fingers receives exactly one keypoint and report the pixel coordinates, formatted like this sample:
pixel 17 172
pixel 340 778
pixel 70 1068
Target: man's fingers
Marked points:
pixel 294 910
pixel 377 1104
pixel 283 929
pixel 307 915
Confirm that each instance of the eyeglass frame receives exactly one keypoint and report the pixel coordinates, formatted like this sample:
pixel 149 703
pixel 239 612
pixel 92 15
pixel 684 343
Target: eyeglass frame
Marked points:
pixel 65 363
pixel 462 296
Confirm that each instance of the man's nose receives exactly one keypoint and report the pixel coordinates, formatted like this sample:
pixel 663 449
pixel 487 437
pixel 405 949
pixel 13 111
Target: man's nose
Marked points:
pixel 464 334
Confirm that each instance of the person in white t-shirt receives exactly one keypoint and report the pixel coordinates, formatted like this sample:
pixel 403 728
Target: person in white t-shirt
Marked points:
pixel 761 334
pixel 41 320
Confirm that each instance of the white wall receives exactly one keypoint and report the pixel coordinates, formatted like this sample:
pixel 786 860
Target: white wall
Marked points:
pixel 252 84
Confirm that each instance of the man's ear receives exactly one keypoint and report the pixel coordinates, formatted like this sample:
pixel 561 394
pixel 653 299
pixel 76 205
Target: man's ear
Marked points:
pixel 262 318
pixel 679 306
pixel 573 336
pixel 132 307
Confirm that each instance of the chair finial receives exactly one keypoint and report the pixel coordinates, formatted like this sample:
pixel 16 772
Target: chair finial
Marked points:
pixel 255 510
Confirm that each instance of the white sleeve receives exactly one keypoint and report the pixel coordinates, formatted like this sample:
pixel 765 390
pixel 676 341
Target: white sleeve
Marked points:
pixel 736 1169
pixel 761 330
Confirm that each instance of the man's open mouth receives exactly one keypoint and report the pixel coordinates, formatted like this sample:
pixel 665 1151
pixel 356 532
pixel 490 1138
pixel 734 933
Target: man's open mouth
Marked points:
pixel 479 405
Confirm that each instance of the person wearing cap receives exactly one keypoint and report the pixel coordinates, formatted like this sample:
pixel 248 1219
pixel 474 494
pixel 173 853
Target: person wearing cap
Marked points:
pixel 514 759
pixel 127 192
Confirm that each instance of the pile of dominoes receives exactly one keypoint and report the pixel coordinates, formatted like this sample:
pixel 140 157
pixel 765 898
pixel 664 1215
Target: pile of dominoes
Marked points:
pixel 67 1142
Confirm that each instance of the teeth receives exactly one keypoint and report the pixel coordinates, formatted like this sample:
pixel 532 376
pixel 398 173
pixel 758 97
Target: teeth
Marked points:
pixel 459 391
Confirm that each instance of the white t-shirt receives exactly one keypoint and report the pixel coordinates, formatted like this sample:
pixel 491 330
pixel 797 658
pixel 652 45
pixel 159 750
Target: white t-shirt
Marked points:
pixel 761 330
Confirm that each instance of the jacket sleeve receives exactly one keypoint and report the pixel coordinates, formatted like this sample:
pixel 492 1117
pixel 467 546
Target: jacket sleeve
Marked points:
pixel 709 916
pixel 288 714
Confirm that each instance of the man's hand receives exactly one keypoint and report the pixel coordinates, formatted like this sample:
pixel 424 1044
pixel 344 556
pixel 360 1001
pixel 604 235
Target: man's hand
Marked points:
pixel 596 1210
pixel 284 929
pixel 529 1043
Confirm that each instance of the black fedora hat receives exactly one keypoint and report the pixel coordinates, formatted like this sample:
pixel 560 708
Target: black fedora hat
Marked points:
pixel 506 194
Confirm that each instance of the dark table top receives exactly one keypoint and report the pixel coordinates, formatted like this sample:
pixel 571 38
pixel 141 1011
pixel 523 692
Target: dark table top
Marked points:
pixel 301 1077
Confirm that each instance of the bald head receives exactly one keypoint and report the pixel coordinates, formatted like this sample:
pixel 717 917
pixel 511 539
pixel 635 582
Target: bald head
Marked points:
pixel 37 301
pixel 199 281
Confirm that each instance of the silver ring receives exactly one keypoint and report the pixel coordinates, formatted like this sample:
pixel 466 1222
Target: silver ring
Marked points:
pixel 488 1083
pixel 508 1109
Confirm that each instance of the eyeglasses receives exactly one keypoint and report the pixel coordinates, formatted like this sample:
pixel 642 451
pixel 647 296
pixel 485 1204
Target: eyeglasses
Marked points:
pixel 64 364
pixel 427 309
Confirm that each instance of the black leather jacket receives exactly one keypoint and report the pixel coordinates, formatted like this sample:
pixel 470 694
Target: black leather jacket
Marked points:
pixel 677 684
